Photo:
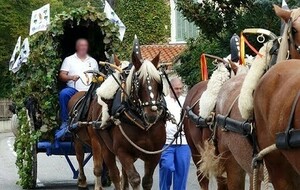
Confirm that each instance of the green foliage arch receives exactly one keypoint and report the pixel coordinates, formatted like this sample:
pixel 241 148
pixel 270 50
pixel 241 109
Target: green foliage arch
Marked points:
pixel 38 77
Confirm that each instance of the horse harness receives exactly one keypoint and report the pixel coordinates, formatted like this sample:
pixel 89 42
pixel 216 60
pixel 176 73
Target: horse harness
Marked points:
pixel 244 128
pixel 291 33
pixel 290 138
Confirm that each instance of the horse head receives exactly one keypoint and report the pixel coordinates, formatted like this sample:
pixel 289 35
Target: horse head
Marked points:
pixel 291 36
pixel 146 88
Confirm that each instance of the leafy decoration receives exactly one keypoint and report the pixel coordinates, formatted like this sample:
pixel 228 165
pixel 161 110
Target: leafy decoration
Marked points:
pixel 148 19
pixel 38 78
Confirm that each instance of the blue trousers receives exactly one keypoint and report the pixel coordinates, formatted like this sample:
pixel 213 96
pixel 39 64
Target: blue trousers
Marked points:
pixel 174 163
pixel 64 98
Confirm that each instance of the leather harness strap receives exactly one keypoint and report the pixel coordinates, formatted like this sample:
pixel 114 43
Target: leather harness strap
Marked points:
pixel 291 137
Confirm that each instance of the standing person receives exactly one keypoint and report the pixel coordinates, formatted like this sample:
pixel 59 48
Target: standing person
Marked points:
pixel 73 67
pixel 175 161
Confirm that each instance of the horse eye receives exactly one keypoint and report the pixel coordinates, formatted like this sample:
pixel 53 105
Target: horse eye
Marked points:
pixel 294 31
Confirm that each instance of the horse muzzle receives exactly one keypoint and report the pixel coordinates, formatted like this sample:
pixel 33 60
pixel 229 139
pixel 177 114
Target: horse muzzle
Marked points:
pixel 151 118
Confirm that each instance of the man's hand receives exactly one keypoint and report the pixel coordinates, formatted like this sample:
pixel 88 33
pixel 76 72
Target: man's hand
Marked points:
pixel 65 77
pixel 74 78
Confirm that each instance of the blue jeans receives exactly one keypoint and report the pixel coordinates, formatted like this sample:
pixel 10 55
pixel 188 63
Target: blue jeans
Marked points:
pixel 174 163
pixel 64 97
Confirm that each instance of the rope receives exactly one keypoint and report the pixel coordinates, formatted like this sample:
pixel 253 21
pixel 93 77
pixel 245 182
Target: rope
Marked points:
pixel 256 164
pixel 255 179
pixel 141 149
pixel 266 178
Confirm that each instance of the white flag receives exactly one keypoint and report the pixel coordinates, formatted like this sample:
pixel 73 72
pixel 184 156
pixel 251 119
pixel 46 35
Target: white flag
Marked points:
pixel 284 5
pixel 23 56
pixel 13 56
pixel 40 19
pixel 113 17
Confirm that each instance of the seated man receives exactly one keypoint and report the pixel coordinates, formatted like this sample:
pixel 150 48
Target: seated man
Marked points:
pixel 71 70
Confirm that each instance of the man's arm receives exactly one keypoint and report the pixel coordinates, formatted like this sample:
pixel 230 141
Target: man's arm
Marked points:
pixel 65 77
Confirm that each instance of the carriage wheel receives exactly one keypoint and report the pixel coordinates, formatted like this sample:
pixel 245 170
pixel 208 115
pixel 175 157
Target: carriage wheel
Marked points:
pixel 34 154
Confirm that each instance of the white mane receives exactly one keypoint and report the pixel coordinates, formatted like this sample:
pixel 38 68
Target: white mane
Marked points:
pixel 147 69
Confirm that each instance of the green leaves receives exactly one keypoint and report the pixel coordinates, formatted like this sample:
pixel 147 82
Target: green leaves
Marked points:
pixel 147 19
pixel 38 78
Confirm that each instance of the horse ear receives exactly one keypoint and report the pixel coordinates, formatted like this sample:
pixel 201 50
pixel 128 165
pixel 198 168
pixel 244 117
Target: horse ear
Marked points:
pixel 136 61
pixel 155 61
pixel 282 13
pixel 233 66
pixel 117 61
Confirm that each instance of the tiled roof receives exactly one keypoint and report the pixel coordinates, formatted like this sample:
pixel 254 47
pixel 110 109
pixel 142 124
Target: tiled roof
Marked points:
pixel 168 53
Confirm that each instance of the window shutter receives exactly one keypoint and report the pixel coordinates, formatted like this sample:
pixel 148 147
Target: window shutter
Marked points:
pixel 184 29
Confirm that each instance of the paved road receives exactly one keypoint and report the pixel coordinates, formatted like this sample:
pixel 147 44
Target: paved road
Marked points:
pixel 53 172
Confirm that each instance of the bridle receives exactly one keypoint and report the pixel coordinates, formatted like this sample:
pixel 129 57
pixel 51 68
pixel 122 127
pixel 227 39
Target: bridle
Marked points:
pixel 156 105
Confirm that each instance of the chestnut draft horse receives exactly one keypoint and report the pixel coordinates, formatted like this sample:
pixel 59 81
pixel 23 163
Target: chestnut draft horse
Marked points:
pixel 140 128
pixel 86 135
pixel 229 145
pixel 237 134
pixel 197 134
pixel 277 109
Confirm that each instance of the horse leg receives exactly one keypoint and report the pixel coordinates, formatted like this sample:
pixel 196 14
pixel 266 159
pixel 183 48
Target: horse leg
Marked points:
pixel 81 181
pixel 110 161
pixel 98 161
pixel 196 156
pixel 125 183
pixel 235 174
pixel 150 166
pixel 202 180
pixel 128 165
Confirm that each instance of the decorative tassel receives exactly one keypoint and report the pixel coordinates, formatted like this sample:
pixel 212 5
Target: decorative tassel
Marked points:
pixel 203 67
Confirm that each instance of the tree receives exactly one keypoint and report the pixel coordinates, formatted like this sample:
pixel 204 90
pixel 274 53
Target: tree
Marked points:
pixel 15 22
pixel 218 20
pixel 148 19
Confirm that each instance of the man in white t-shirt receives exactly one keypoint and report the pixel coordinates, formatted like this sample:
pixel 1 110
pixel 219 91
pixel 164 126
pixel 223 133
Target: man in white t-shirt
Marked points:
pixel 175 161
pixel 72 68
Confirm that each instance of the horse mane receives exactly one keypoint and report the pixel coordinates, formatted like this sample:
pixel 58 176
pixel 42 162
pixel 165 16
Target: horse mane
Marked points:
pixel 284 46
pixel 147 69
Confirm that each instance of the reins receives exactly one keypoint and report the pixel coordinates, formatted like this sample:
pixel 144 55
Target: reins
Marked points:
pixel 179 125
pixel 157 151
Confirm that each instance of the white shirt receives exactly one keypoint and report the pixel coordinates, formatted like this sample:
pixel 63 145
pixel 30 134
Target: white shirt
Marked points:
pixel 75 66
pixel 171 128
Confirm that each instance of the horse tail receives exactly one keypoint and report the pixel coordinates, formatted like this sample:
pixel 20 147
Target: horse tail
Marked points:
pixel 209 165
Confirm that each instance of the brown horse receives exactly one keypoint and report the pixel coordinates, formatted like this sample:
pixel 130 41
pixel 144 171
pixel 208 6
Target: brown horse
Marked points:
pixel 86 135
pixel 141 131
pixel 276 108
pixel 231 143
pixel 197 135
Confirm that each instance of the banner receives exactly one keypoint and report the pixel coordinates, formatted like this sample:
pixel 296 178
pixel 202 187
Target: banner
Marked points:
pixel 113 17
pixel 40 19
pixel 13 56
pixel 23 56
